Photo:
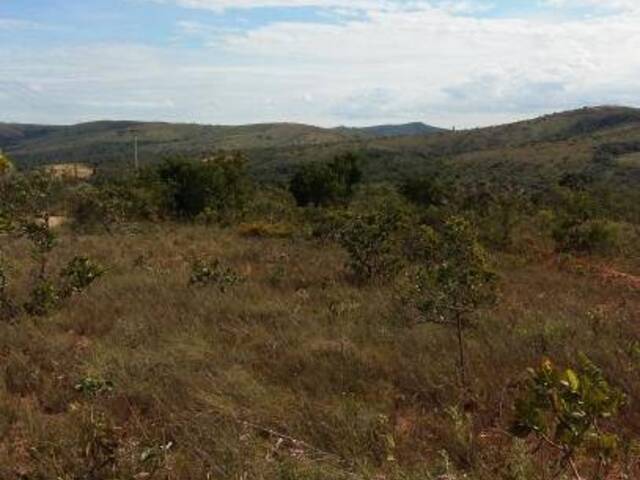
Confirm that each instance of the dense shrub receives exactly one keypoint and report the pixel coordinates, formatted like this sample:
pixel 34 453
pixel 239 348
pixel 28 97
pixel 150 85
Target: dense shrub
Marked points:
pixel 272 204
pixel 424 191
pixel 591 236
pixel 326 223
pixel 117 201
pixel 497 211
pixel 320 183
pixel 216 187
pixel 371 240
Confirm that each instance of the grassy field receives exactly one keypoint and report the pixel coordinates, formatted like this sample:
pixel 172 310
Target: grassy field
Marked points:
pixel 297 372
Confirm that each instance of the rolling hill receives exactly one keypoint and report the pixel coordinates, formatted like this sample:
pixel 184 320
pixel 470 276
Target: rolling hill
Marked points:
pixel 111 141
pixel 591 140
pixel 595 141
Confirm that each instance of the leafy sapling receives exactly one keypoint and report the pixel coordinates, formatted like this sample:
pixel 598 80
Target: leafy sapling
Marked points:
pixel 566 411
pixel 452 281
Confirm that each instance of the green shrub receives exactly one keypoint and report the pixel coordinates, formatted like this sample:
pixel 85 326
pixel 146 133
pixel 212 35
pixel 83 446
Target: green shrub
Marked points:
pixel 321 183
pixel 79 274
pixel 217 187
pixel 452 281
pixel 94 386
pixel 42 240
pixel 213 273
pixel 44 298
pixel 272 204
pixel 591 236
pixel 326 223
pixel 566 411
pixel 372 242
pixel 117 201
pixel 424 191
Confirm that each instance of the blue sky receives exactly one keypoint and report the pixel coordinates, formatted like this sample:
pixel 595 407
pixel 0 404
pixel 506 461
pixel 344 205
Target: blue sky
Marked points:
pixel 327 62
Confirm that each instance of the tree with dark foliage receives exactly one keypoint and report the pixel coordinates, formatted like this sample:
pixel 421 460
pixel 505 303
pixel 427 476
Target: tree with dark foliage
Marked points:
pixel 321 184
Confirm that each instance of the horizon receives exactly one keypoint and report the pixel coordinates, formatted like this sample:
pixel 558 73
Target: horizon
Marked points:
pixel 463 64
pixel 329 127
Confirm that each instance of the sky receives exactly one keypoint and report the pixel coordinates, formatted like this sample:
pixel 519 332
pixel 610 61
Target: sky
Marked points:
pixel 462 63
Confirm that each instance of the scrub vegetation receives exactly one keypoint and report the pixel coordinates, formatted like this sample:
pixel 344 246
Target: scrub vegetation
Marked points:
pixel 194 321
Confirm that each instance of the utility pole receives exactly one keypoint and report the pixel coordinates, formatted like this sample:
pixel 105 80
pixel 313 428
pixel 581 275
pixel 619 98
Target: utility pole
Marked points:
pixel 136 164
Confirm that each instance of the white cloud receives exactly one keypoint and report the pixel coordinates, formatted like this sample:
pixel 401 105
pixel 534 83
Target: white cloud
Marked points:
pixel 15 24
pixel 345 6
pixel 220 5
pixel 609 4
pixel 394 65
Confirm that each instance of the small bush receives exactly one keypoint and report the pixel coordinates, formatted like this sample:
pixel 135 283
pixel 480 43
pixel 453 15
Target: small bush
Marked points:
pixel 272 204
pixel 213 273
pixel 326 223
pixel 79 274
pixel 117 201
pixel 94 386
pixel 371 240
pixel 565 410
pixel 592 236
pixel 44 298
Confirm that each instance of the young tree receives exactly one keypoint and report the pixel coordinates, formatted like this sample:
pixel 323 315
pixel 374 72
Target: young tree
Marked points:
pixel 453 281
pixel 28 202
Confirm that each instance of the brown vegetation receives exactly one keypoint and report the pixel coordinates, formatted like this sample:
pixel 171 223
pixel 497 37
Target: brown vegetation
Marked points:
pixel 309 376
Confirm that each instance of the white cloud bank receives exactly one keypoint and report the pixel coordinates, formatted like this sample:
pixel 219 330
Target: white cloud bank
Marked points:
pixel 221 5
pixel 423 63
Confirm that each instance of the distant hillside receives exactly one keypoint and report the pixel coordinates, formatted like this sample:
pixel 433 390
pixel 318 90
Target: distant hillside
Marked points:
pixel 111 142
pixel 530 152
pixel 404 130
pixel 602 142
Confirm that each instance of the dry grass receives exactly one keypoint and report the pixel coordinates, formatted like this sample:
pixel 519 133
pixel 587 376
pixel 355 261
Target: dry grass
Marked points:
pixel 295 374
